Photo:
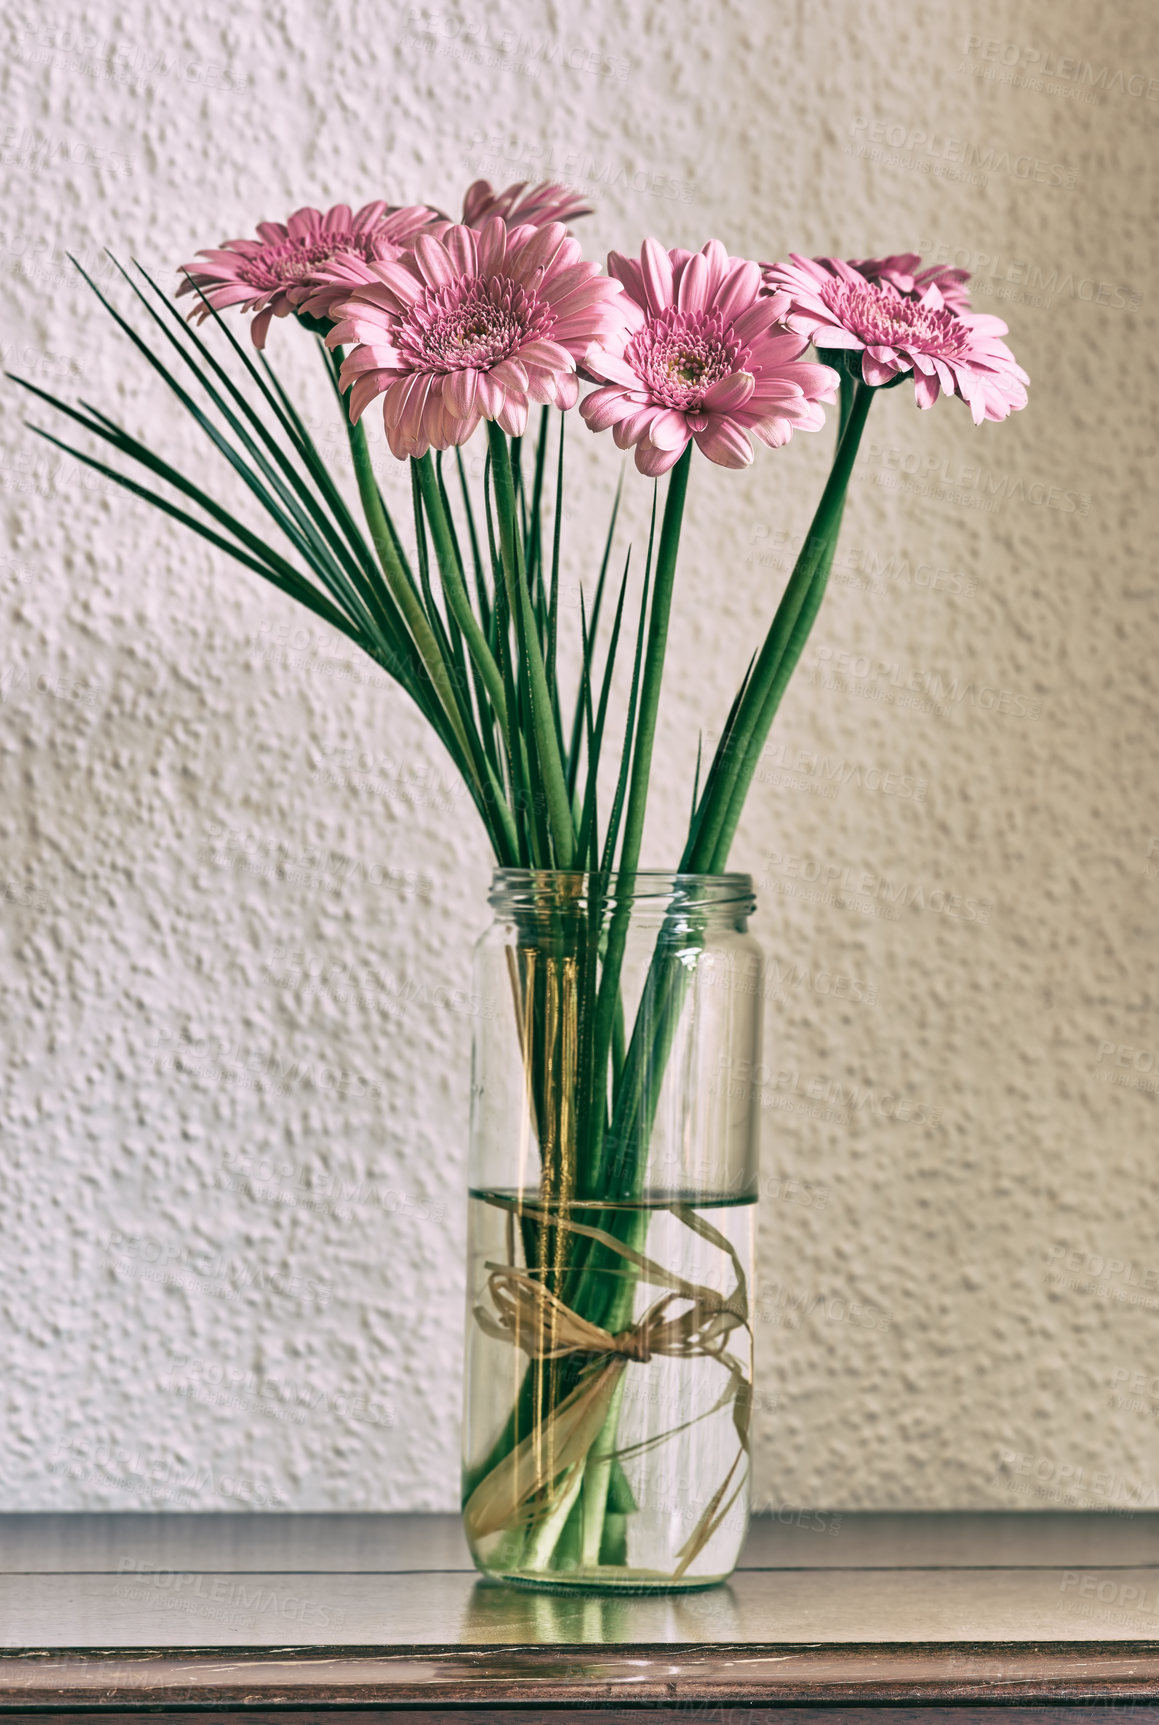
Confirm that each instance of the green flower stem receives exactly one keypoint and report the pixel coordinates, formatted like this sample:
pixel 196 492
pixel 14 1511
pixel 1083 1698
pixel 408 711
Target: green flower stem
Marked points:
pixel 546 741
pixel 618 1164
pixel 621 1162
pixel 456 591
pixel 597 1476
pixel 708 851
pixel 654 664
pixel 456 595
pixel 806 617
pixel 591 1270
pixel 401 588
pixel 845 402
pixel 633 832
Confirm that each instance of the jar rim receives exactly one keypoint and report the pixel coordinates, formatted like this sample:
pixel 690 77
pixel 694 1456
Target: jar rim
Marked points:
pixel 729 891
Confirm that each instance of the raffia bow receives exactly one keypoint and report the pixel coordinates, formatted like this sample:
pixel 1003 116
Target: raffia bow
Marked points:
pixel 546 1329
pixel 528 1484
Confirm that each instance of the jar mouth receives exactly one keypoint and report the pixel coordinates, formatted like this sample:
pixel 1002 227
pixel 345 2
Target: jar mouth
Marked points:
pixel 662 890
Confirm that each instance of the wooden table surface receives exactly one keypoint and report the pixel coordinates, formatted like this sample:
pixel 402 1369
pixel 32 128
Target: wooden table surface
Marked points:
pixel 209 1616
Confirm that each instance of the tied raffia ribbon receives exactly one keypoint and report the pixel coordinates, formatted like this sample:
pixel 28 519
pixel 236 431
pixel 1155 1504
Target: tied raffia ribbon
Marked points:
pixel 529 1483
pixel 546 1329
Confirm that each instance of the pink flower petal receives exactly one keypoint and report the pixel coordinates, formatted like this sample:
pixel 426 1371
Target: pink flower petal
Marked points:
pixel 397 395
pixel 634 426
pixel 656 462
pixel 511 374
pixel 462 249
pixel 692 294
pixel 491 248
pixel 719 265
pixel 434 261
pixel 304 224
pixel 604 364
pixel 656 274
pixel 604 408
pixel 459 390
pixel 774 433
pixel 362 393
pixel 835 337
pixel 512 416
pixel 725 443
pixel 668 431
pixel 537 254
pixel 739 289
pixel 729 392
pixel 410 421
pixel 403 283
pixel 628 273
pixel 541 351
pixel 877 371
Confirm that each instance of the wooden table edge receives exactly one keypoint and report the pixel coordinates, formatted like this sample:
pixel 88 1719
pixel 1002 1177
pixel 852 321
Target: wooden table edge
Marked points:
pixel 249 1678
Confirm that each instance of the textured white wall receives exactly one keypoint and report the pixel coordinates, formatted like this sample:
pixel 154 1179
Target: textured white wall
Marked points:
pixel 178 794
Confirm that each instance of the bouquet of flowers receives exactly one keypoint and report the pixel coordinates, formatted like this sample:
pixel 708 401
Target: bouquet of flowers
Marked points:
pixel 450 328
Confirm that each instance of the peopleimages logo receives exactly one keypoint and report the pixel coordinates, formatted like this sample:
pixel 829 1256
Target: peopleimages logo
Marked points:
pixel 744 1079
pixel 314 866
pixel 482 41
pixel 775 979
pixel 219 1059
pixel 1005 487
pixel 317 1189
pixel 993 271
pixel 1135 1383
pixel 782 1307
pixel 1120 1281
pixel 1040 63
pixel 1068 1480
pixel 890 682
pixel 342 981
pixel 865 568
pixel 76 49
pixel 825 775
pixel 1131 1068
pixel 239 1596
pixel 160 1477
pixel 925 151
pixel 867 883
pixel 146 1260
pixel 1096 1264
pixel 24 149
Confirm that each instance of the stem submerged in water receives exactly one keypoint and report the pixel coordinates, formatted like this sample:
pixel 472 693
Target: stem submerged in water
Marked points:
pixel 612 1152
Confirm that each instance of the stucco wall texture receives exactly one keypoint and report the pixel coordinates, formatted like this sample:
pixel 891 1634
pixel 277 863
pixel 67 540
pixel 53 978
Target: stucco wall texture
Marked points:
pixel 221 1291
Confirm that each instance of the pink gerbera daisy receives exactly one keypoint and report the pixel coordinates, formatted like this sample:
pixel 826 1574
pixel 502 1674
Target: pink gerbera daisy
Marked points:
pixel 904 272
pixel 275 274
pixel 473 326
pixel 703 355
pixel 836 307
pixel 521 206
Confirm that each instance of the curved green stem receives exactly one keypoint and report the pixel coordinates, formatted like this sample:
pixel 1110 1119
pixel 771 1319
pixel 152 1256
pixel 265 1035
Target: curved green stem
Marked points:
pixel 559 814
pixel 456 592
pixel 715 823
pixel 401 587
pixel 654 663
pixel 609 994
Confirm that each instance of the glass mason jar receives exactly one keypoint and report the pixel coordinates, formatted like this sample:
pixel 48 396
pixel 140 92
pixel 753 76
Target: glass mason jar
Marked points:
pixel 613 1179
